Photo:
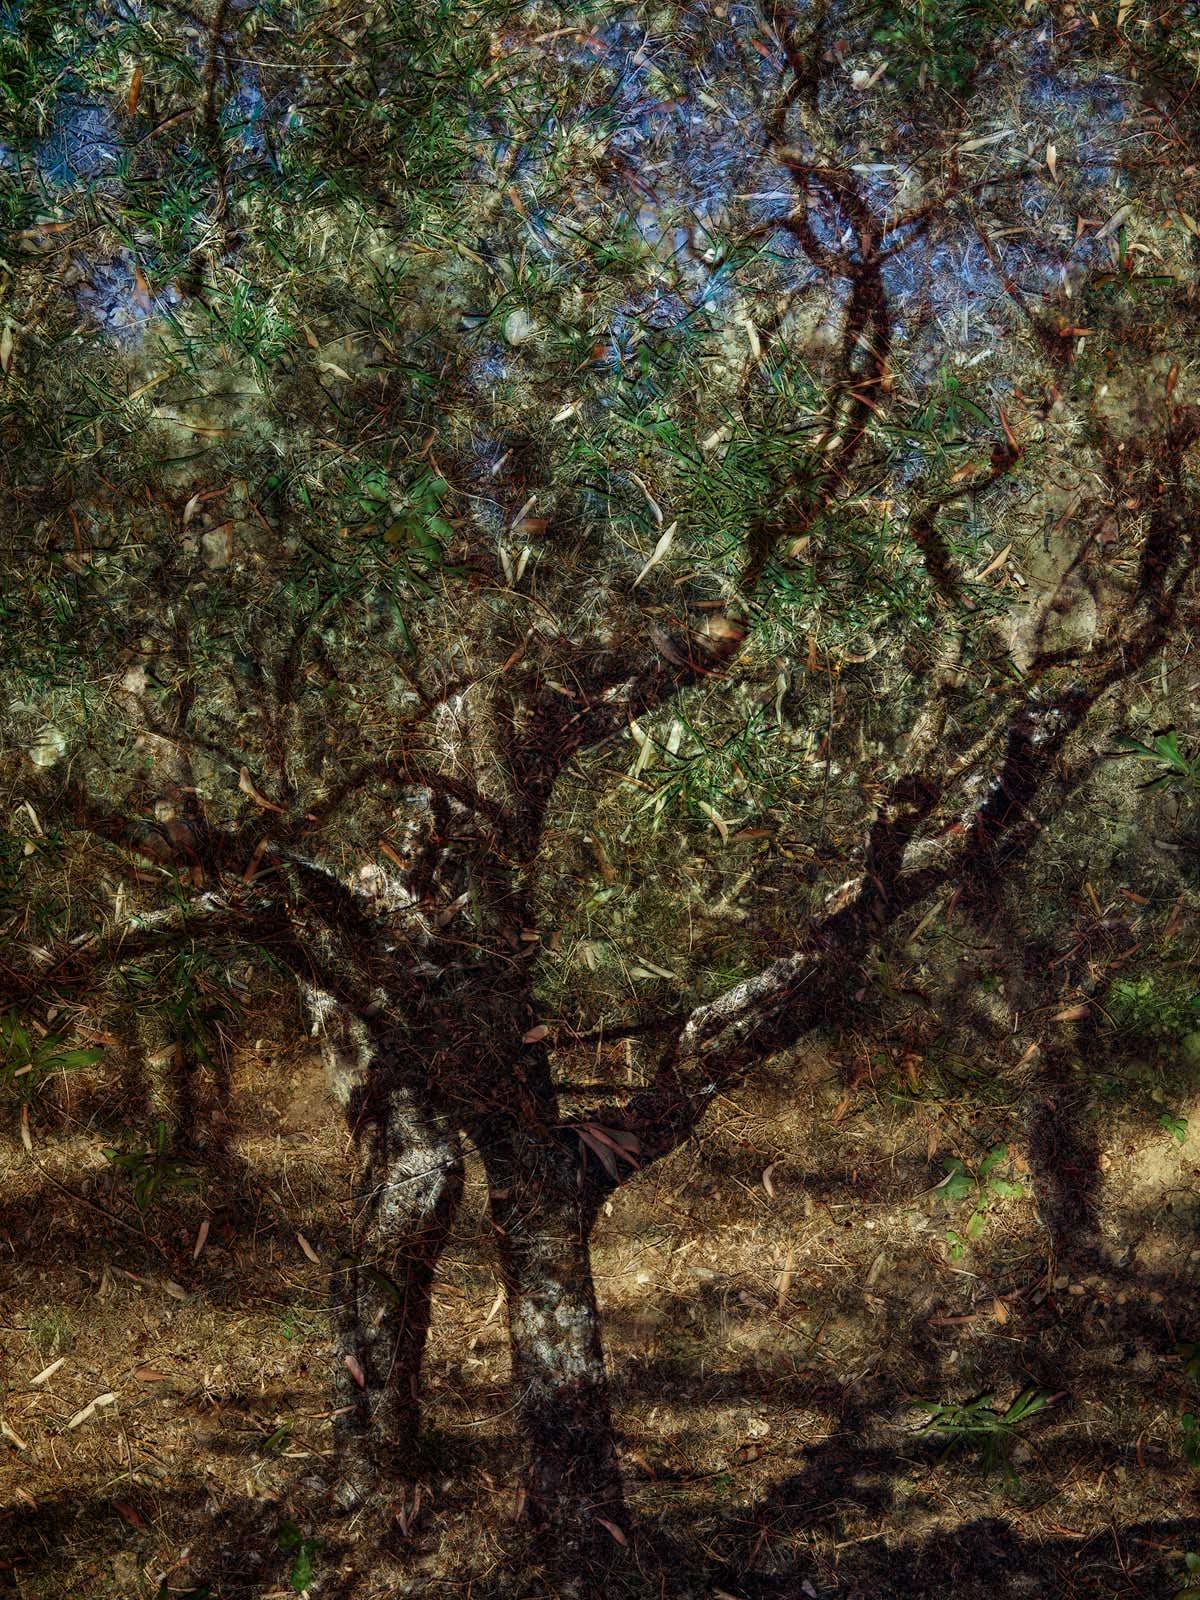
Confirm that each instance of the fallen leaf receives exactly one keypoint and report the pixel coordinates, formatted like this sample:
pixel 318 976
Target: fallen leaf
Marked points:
pixel 659 551
pixel 11 1434
pixel 1071 1014
pixel 26 1136
pixel 786 1279
pixel 1052 160
pixel 128 1514
pixel 535 1034
pixel 617 1533
pixel 48 1372
pixel 996 561
pixel 247 787
pixel 151 1375
pixel 141 288
pixel 90 1410
pixel 718 821
pixel 766 1179
pixel 355 1370
pixel 308 1250
pixel 175 1290
pixel 201 1239
pixel 135 89
pixel 1000 1311
pixel 6 349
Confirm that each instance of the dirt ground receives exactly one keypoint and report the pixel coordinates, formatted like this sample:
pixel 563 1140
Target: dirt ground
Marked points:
pixel 781 1302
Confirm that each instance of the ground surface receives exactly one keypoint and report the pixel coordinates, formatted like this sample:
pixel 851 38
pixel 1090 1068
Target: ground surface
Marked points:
pixel 914 1315
pixel 770 1352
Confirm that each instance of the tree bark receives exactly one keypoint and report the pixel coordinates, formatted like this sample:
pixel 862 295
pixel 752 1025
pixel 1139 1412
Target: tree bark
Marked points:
pixel 410 1183
pixel 543 1220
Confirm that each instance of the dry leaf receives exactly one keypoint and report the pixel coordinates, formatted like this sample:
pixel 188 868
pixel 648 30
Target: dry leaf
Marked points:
pixel 535 1034
pixel 247 787
pixel 1052 160
pixel 1071 1014
pixel 6 349
pixel 393 855
pixel 496 1305
pixel 308 1250
pixel 1000 1311
pixel 141 288
pixel 718 821
pixel 355 1370
pixel 12 1435
pixel 617 1533
pixel 786 1279
pixel 26 1136
pixel 151 1375
pixel 47 1372
pixel 659 551
pixel 1115 222
pixel 135 89
pixel 655 509
pixel 766 1179
pixel 128 1514
pixel 90 1410
pixel 175 1290
pixel 201 1239
pixel 996 561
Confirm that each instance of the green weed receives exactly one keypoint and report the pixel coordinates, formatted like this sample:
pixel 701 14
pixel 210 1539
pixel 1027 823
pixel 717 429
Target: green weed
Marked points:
pixel 302 1552
pixel 938 42
pixel 27 1062
pixel 985 1425
pixel 978 1187
pixel 1191 1584
pixel 152 1170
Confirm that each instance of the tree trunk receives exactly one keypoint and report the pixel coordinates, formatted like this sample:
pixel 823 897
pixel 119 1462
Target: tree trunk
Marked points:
pixel 543 1222
pixel 409 1186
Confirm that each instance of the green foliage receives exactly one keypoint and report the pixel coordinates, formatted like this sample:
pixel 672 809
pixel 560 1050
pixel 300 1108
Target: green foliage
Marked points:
pixel 151 1169
pixel 302 1551
pixel 935 42
pixel 1176 770
pixel 1146 1008
pixel 26 1062
pixel 977 1187
pixel 1177 1127
pixel 984 1424
pixel 1191 1588
pixel 32 61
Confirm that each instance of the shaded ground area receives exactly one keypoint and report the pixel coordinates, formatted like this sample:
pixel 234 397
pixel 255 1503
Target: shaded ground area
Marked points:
pixel 311 314
pixel 780 1305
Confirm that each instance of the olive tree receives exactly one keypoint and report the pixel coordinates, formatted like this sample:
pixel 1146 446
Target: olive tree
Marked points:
pixel 439 497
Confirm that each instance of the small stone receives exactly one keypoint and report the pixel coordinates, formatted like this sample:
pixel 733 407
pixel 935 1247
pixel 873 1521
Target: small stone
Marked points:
pixel 217 544
pixel 49 747
pixel 518 327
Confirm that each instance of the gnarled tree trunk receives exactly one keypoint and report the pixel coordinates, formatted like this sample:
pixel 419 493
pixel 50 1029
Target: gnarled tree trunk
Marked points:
pixel 543 1219
pixel 409 1185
